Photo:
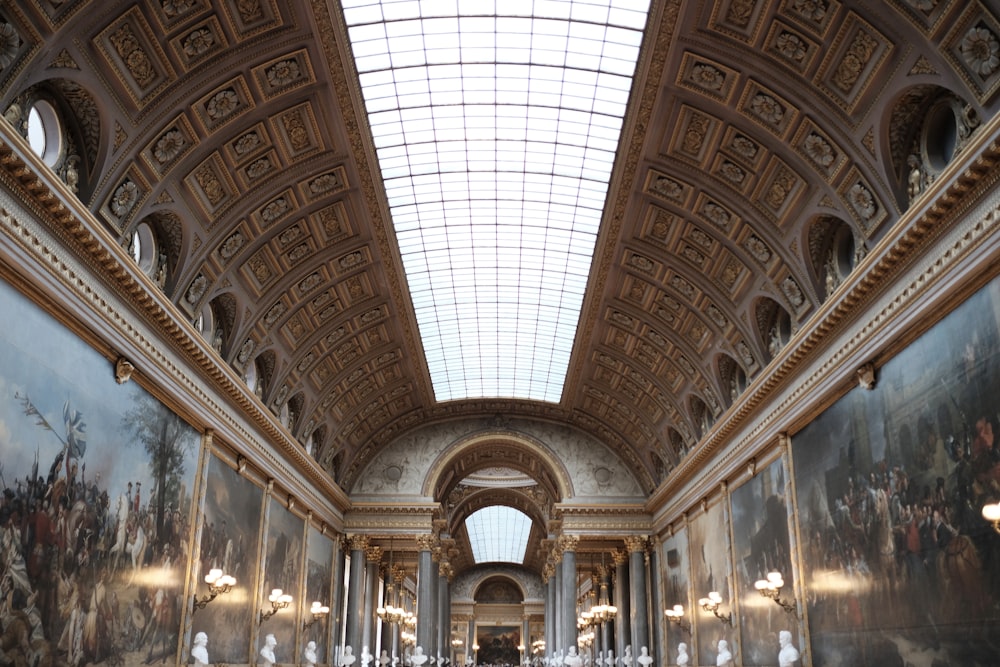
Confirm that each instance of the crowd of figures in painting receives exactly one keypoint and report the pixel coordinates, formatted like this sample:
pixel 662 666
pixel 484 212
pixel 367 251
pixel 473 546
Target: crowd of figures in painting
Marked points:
pixel 96 504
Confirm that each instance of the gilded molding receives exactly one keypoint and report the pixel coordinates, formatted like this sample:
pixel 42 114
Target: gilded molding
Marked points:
pixel 634 543
pixel 358 542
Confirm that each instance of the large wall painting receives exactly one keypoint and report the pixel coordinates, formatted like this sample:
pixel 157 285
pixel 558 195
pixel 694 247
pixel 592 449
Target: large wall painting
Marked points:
pixel 282 570
pixel 761 545
pixel 319 582
pixel 708 537
pixel 899 564
pixel 230 539
pixel 676 587
pixel 498 644
pixel 96 504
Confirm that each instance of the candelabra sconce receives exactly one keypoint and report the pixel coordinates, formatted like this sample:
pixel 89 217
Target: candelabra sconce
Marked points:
pixel 991 512
pixel 676 616
pixel 771 588
pixel 711 604
pixel 318 611
pixel 278 602
pixel 218 583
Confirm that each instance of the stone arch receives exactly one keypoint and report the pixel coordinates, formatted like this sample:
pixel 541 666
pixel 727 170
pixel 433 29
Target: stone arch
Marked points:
pixel 834 251
pixel 484 450
pixel 458 509
pixel 495 588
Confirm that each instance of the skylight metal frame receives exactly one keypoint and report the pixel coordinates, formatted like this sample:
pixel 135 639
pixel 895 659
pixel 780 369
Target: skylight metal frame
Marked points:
pixel 496 126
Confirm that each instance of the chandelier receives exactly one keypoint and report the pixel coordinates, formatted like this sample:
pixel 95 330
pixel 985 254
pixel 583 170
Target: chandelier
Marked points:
pixel 393 614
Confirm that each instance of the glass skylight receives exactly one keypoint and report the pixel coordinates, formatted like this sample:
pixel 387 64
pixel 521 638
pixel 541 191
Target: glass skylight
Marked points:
pixel 498 534
pixel 496 126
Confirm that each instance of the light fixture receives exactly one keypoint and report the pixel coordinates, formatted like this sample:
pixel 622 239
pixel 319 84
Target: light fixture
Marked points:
pixel 318 611
pixel 538 646
pixel 991 512
pixel 711 604
pixel 771 588
pixel 604 611
pixel 676 616
pixel 456 642
pixel 218 583
pixel 392 612
pixel 278 600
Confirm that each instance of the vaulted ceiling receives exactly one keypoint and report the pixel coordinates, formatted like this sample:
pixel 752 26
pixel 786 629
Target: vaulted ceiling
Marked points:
pixel 764 150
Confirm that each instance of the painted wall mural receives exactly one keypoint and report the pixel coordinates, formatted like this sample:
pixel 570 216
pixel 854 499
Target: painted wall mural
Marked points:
pixel 899 565
pixel 230 539
pixel 761 545
pixel 318 588
pixel 498 644
pixel 282 570
pixel 676 587
pixel 711 570
pixel 96 509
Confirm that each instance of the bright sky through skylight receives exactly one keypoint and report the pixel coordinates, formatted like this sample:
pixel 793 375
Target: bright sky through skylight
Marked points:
pixel 496 126
pixel 498 534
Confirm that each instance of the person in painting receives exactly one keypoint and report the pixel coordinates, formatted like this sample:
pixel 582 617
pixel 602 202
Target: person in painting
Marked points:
pixel 644 659
pixel 682 655
pixel 267 658
pixel 309 654
pixel 725 657
pixel 788 655
pixel 199 651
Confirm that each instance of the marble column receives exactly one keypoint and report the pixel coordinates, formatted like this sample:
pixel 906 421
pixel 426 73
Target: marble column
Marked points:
pixel 444 610
pixel 623 630
pixel 557 627
pixel 355 592
pixel 638 601
pixel 568 544
pixel 549 577
pixel 607 627
pixel 339 603
pixel 426 593
pixel 373 556
pixel 656 602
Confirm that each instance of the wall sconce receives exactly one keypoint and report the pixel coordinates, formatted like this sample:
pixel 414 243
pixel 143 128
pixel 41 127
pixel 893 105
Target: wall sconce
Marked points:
pixel 991 512
pixel 218 583
pixel 318 611
pixel 771 588
pixel 711 604
pixel 278 602
pixel 676 615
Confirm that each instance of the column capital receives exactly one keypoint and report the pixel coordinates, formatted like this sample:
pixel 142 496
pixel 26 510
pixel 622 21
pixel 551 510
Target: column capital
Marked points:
pixel 547 571
pixel 634 543
pixel 357 542
pixel 426 541
pixel 568 543
pixel 619 557
pixel 373 553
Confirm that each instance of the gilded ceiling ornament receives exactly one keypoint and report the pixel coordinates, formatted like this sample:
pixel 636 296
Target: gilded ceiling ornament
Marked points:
pixel 247 143
pixel 275 209
pixel 767 108
pixel 743 146
pixel 124 198
pixel 668 188
pixel 790 46
pixel 232 245
pixel 283 73
pixel 276 311
pixel 259 167
pixel 732 172
pixel 198 42
pixel 706 76
pixel 792 291
pixel 169 146
pixel 310 282
pixel 716 214
pixel 175 8
pixel 9 42
pixel 981 51
pixel 245 351
pixel 222 104
pixel 814 10
pixel 819 150
pixel 857 57
pixel 324 183
pixel 757 248
pixel 135 59
pixel 862 200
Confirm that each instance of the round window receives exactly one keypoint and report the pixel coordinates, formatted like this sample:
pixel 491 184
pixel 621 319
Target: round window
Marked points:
pixel 45 132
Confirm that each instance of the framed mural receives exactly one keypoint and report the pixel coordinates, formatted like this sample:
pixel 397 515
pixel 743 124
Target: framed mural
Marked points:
pixel 282 569
pixel 676 591
pixel 96 508
pixel 498 644
pixel 318 588
pixel 899 564
pixel 708 540
pixel 230 539
pixel 761 545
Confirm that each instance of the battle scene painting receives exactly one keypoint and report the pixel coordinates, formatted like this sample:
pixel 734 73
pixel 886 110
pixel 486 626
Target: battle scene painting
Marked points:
pixel 282 570
pixel 711 571
pixel 676 586
pixel 319 582
pixel 899 565
pixel 230 538
pixel 761 546
pixel 498 645
pixel 96 506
